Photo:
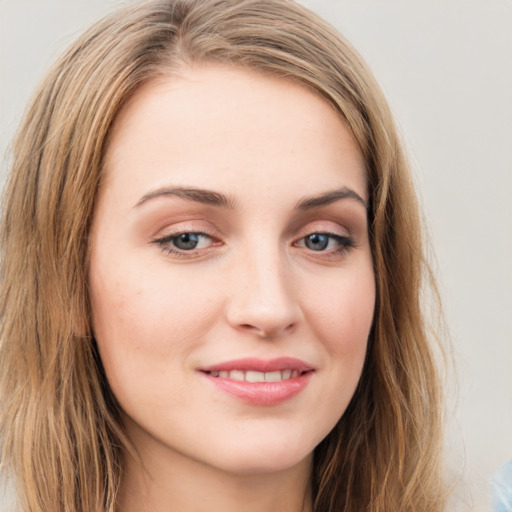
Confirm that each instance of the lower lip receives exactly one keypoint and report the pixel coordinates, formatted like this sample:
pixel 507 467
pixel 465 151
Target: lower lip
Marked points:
pixel 262 393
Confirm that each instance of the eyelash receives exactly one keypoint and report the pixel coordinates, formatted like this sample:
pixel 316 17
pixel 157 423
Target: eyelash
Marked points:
pixel 167 248
pixel 345 243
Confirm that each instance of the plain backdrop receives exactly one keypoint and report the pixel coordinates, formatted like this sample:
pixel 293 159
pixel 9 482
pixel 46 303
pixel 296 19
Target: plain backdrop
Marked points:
pixel 446 67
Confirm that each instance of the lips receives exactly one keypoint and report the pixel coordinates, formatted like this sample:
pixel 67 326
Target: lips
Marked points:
pixel 254 376
pixel 261 365
pixel 258 381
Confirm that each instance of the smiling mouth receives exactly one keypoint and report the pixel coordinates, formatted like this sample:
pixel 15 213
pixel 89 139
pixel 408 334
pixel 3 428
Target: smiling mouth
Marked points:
pixel 255 376
pixel 260 388
pixel 260 382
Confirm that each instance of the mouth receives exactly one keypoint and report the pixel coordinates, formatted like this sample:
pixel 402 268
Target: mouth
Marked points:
pixel 260 382
pixel 255 376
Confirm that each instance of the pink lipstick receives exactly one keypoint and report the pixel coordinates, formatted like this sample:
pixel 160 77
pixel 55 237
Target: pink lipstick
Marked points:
pixel 259 381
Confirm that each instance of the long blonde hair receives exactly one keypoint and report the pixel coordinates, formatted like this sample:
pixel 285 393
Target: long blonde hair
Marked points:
pixel 61 435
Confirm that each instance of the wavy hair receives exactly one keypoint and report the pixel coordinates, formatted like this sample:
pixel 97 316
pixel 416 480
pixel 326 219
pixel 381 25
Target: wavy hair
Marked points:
pixel 62 438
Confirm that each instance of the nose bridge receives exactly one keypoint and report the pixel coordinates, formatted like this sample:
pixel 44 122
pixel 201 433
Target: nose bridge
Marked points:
pixel 263 299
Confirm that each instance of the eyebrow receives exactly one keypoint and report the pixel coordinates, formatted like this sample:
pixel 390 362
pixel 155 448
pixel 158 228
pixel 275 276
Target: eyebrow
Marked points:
pixel 309 203
pixel 213 198
pixel 198 195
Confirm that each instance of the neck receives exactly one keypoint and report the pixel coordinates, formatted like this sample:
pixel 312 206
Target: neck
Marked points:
pixel 179 484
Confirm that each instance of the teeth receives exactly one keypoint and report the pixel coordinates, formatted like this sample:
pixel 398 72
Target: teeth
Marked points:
pixel 253 376
pixel 237 375
pixel 273 377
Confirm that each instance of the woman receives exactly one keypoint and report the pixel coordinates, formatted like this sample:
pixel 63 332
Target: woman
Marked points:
pixel 211 275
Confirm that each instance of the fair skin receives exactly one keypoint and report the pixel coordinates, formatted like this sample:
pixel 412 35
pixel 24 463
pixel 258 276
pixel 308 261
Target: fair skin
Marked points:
pixel 229 245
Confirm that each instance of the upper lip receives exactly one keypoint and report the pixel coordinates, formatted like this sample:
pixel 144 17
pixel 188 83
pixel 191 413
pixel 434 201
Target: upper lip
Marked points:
pixel 260 365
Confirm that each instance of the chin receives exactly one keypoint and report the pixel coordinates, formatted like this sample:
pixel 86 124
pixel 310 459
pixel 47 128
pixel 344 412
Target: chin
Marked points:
pixel 266 456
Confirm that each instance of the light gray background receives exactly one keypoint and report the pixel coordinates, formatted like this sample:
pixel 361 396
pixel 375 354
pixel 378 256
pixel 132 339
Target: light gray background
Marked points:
pixel 446 67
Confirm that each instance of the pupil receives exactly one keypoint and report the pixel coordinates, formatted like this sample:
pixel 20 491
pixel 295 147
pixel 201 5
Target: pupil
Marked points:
pixel 186 241
pixel 317 242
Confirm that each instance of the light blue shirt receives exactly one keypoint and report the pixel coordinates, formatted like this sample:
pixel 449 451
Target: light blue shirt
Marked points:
pixel 502 489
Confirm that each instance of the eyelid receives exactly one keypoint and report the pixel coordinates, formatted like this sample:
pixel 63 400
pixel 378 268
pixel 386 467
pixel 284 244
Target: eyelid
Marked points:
pixel 166 246
pixel 335 236
pixel 344 245
pixel 328 227
pixel 338 233
pixel 186 226
pixel 164 237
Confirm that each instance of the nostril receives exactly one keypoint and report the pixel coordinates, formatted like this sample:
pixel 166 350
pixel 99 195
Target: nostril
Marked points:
pixel 267 333
pixel 262 333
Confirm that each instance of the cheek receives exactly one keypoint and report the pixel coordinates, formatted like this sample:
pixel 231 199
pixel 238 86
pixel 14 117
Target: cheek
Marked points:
pixel 145 305
pixel 342 314
pixel 341 317
pixel 145 323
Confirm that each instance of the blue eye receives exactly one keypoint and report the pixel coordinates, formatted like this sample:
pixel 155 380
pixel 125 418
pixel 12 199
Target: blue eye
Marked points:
pixel 184 242
pixel 317 241
pixel 323 242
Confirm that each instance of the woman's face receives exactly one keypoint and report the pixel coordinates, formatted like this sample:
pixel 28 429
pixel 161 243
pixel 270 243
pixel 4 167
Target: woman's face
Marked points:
pixel 231 276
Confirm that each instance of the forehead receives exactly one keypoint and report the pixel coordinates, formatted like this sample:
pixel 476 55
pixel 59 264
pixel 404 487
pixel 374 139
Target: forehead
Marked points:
pixel 216 125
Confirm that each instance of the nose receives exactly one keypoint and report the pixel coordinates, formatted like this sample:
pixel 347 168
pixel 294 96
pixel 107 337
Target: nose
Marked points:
pixel 264 298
